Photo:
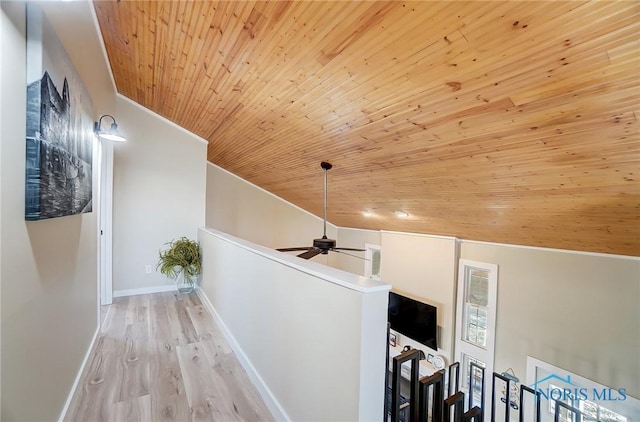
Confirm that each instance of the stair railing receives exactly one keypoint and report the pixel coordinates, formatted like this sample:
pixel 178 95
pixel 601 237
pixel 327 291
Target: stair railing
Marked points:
pixel 474 414
pixel 413 356
pixel 493 396
pixel 576 413
pixel 454 367
pixel 455 403
pixel 536 400
pixel 473 370
pixel 433 384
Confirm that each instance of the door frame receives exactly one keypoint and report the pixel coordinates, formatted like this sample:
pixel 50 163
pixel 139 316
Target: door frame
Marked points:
pixel 105 220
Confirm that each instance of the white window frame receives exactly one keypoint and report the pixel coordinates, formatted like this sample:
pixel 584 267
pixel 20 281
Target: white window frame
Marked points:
pixel 368 263
pixel 462 347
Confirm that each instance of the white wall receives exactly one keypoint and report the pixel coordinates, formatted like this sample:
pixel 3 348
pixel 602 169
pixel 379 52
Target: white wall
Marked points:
pixel 242 209
pixel 158 193
pixel 314 336
pixel 48 267
pixel 576 311
pixel 423 267
pixel 77 28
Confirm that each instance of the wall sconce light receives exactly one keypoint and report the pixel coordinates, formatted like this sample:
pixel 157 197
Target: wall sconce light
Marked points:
pixel 109 135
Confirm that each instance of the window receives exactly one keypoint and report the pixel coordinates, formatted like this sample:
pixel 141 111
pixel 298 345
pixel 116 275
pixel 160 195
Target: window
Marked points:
pixel 591 411
pixel 596 402
pixel 475 324
pixel 565 415
pixel 475 308
pixel 594 412
pixel 477 378
pixel 372 261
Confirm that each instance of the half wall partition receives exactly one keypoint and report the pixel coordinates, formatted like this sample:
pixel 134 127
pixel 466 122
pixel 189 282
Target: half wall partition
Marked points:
pixel 311 337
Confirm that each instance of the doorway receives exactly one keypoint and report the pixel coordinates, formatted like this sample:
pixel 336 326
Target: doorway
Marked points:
pixel 105 220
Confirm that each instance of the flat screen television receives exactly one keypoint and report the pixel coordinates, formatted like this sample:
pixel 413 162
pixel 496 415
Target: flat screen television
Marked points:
pixel 414 319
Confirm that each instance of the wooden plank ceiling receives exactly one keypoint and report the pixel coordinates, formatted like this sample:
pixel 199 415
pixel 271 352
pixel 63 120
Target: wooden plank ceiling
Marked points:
pixel 509 122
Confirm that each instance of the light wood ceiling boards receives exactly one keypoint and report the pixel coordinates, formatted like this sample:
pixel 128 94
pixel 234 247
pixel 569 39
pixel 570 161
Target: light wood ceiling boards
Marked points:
pixel 510 122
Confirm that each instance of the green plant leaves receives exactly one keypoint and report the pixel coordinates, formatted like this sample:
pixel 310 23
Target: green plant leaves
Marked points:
pixel 182 256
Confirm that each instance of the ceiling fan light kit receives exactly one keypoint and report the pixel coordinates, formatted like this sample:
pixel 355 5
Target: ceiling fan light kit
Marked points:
pixel 324 245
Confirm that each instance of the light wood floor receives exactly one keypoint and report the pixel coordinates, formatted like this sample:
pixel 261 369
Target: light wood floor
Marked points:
pixel 160 357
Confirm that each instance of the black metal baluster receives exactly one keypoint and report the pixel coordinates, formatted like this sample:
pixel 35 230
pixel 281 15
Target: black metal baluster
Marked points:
pixel 412 355
pixel 473 367
pixel 536 401
pixel 473 414
pixel 493 396
pixel 453 366
pixel 457 402
pixel 386 375
pixel 436 381
pixel 577 413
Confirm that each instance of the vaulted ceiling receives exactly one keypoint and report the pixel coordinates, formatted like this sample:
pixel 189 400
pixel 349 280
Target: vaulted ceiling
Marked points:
pixel 509 122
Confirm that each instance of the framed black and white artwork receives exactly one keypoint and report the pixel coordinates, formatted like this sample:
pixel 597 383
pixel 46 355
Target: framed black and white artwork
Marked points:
pixel 59 138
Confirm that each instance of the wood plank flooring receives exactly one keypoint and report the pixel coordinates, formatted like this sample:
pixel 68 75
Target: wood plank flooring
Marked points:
pixel 160 357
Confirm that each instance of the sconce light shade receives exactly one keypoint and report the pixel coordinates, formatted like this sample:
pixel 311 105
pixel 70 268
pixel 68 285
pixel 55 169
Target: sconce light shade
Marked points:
pixel 109 135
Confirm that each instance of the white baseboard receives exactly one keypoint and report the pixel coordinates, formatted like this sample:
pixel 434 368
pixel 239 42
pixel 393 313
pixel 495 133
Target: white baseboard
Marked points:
pixel 144 290
pixel 74 387
pixel 269 399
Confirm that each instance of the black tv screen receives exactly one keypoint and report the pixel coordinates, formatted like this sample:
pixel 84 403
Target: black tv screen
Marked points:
pixel 413 319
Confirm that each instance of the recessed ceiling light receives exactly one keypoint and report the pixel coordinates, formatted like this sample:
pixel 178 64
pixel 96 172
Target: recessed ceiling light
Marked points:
pixel 401 214
pixel 367 213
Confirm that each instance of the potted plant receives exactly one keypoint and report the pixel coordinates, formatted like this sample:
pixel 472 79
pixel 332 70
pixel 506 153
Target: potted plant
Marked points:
pixel 181 262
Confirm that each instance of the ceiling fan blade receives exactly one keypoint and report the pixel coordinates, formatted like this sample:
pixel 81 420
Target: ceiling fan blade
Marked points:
pixel 355 256
pixel 309 254
pixel 301 248
pixel 349 249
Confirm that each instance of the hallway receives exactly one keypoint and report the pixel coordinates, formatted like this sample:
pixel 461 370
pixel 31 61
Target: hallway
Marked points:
pixel 160 357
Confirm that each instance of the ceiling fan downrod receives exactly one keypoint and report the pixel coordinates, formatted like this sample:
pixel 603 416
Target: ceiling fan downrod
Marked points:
pixel 325 167
pixel 323 245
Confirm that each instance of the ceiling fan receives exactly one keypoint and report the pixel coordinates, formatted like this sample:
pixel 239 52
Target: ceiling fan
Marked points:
pixel 324 244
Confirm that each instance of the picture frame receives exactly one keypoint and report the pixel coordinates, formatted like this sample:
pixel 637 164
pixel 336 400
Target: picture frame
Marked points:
pixel 393 339
pixel 59 130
